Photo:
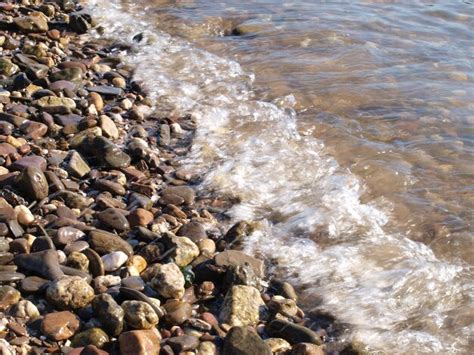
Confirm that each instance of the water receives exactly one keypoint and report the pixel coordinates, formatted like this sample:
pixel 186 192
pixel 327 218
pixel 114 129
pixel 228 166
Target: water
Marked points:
pixel 347 129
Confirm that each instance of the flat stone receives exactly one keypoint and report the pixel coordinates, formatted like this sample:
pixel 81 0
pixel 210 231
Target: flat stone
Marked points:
pixel 42 243
pixel 140 342
pixel 92 336
pixel 6 276
pixel 177 312
pixel 60 325
pixel 33 129
pixel 293 333
pixel 54 101
pixel 114 219
pixel 68 74
pixel 61 85
pixel 105 90
pixel 140 217
pixel 183 343
pixel 43 263
pixel 108 126
pixel 67 235
pixel 244 341
pixel 103 242
pixel 232 258
pixel 186 193
pixel 17 121
pixel 110 314
pixel 110 186
pixel 70 293
pixel 74 200
pixel 76 165
pixel 33 284
pixel 193 230
pixel 242 306
pixel 29 161
pixel 35 22
pixel 33 182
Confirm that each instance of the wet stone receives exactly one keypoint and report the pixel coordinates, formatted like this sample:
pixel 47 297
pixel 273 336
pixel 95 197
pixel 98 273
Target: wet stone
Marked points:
pixel 293 333
pixel 68 74
pixel 33 284
pixel 169 281
pixel 76 165
pixel 10 276
pixel 110 314
pixel 114 219
pixel 60 325
pixel 184 192
pixel 44 263
pixel 140 342
pixel 8 297
pixel 92 336
pixel 183 343
pixel 70 293
pixel 242 306
pixel 244 341
pixel 103 243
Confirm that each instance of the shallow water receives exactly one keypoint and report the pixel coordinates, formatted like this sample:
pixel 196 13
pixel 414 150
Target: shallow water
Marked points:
pixel 348 129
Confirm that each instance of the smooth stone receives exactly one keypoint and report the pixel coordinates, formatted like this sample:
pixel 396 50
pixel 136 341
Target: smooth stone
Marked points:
pixel 80 246
pixel 76 166
pixel 96 266
pixel 25 309
pixel 105 90
pixel 113 187
pixel 59 326
pixel 103 242
pixel 7 68
pixel 34 130
pixel 244 341
pixel 110 314
pixel 61 85
pixel 67 235
pixel 140 217
pixel 33 182
pixel 42 243
pixel 114 218
pixel 138 262
pixel 29 161
pixel 183 343
pixel 139 315
pixel 92 336
pixel 43 263
pixel 10 276
pixel 193 230
pixel 24 215
pixel 177 312
pixel 74 200
pixel 35 22
pixel 108 126
pixel 169 281
pixel 186 193
pixel 184 250
pixel 33 284
pixel 17 121
pixel 87 350
pixel 140 342
pixel 70 293
pixel 293 333
pixel 134 282
pixel 114 260
pixel 232 258
pixel 68 74
pixel 78 261
pixel 242 306
pixel 70 271
pixel 46 102
pixel 9 296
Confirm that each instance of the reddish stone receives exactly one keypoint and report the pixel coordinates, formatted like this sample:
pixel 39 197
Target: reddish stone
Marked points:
pixel 60 325
pixel 140 342
pixel 140 217
pixel 30 160
pixel 34 129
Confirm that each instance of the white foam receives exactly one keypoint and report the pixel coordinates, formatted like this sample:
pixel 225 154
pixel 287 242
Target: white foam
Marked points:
pixel 393 291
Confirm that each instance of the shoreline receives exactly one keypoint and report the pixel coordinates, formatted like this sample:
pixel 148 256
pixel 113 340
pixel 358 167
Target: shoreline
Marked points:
pixel 99 222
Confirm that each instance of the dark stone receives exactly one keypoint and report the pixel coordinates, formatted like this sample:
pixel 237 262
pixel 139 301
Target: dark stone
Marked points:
pixel 6 277
pixel 96 266
pixel 103 242
pixel 193 230
pixel 29 161
pixel 68 74
pixel 114 218
pixel 42 243
pixel 293 333
pixel 43 263
pixel 109 313
pixel 105 90
pixel 244 341
pixel 183 343
pixel 186 193
pixel 33 182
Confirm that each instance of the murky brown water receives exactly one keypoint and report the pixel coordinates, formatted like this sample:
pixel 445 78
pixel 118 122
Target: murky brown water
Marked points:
pixel 354 143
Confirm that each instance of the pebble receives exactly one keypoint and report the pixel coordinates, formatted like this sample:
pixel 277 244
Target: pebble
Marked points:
pixel 242 306
pixel 92 336
pixel 60 325
pixel 33 182
pixel 9 296
pixel 291 332
pixel 43 263
pixel 183 343
pixel 140 217
pixel 139 315
pixel 169 281
pixel 70 293
pixel 25 309
pixel 114 260
pixel 140 342
pixel 244 340
pixel 110 314
pixel 177 312
pixel 103 243
pixel 24 215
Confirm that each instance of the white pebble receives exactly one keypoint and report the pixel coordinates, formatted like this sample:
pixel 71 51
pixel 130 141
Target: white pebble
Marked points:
pixel 114 260
pixel 24 215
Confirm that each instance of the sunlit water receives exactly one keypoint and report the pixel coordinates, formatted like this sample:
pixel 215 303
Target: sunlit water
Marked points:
pixel 347 129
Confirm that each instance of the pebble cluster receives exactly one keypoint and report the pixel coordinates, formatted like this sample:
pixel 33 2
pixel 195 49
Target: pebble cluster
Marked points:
pixel 104 246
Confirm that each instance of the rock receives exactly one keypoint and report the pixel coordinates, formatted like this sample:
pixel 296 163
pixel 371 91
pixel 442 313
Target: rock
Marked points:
pixel 164 135
pixel 184 250
pixel 43 263
pixel 7 68
pixel 240 231
pixel 80 22
pixel 138 262
pixel 102 283
pixel 114 218
pixel 105 90
pixel 140 342
pixel 242 306
pixel 207 348
pixel 278 345
pixel 114 260
pixel 234 258
pixel 60 325
pixel 307 349
pixel 68 235
pixel 244 341
pixel 169 281
pixel 87 350
pixel 183 343
pixel 70 293
pixel 33 182
pixel 207 246
pixel 140 217
pixel 96 266
pixel 34 130
pixel 108 126
pixel 96 100
pixel 29 161
pixel 110 154
pixel 110 186
pixel 110 314
pixel 194 231
pixel 9 296
pixel 103 242
pixel 69 74
pixel 139 315
pixel 92 336
pixel 7 277
pixel 74 200
pixel 36 22
pixel 177 312
pixel 284 289
pixel 133 282
pixel 24 215
pixel 47 102
pixel 78 261
pixel 33 284
pixel 25 309
pixel 291 332
pixel 186 193
pixel 76 165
